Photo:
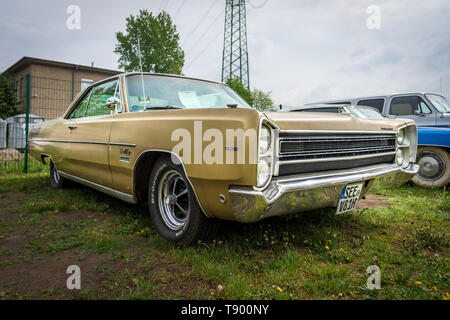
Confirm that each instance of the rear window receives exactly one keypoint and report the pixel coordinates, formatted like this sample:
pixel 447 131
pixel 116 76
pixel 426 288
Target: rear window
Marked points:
pixel 374 103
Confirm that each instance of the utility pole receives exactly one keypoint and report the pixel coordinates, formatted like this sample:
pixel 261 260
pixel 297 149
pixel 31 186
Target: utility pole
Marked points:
pixel 235 50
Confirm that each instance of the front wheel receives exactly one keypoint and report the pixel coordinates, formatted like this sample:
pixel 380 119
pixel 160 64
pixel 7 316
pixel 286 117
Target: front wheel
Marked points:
pixel 434 167
pixel 173 206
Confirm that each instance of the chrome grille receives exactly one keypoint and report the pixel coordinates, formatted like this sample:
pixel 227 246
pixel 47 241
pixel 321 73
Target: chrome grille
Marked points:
pixel 338 150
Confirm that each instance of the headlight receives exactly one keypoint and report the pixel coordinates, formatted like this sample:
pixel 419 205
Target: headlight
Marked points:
pixel 263 172
pixel 265 140
pixel 399 157
pixel 401 137
pixel 265 156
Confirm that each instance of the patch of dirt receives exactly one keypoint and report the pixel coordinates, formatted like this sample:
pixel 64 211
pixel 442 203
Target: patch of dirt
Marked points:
pixel 46 278
pixel 72 216
pixel 374 201
pixel 10 205
pixel 27 274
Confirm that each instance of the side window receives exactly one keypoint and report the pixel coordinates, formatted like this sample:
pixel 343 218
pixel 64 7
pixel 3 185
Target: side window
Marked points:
pixel 97 104
pixel 80 109
pixel 408 106
pixel 374 103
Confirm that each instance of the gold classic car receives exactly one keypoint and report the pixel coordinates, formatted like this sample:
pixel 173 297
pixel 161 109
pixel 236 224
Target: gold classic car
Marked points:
pixel 194 151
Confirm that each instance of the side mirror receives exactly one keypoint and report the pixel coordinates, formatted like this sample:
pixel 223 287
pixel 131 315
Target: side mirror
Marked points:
pixel 113 103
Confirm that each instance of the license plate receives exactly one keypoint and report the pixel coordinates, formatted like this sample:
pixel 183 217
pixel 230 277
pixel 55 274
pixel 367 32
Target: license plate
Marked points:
pixel 349 198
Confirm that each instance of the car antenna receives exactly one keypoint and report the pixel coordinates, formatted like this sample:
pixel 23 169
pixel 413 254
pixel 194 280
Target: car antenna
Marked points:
pixel 142 74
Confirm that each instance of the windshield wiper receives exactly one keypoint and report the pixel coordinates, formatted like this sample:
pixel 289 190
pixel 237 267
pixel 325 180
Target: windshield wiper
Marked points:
pixel 168 107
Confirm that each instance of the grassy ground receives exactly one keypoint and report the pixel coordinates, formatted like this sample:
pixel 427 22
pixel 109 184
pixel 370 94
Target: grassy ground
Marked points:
pixel 315 255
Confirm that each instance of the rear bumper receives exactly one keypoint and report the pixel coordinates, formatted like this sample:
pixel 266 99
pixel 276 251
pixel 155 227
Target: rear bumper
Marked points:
pixel 294 194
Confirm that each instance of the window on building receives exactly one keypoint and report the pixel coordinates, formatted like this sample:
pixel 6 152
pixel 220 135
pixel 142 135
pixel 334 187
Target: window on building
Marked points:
pixel 21 88
pixel 374 103
pixel 86 83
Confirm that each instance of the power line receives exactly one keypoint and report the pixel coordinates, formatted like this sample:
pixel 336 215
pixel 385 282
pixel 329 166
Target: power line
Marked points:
pixel 166 6
pixel 200 22
pixel 179 9
pixel 162 5
pixel 206 31
pixel 204 50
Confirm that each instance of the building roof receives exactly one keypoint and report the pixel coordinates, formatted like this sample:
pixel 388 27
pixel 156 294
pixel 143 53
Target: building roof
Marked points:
pixel 26 61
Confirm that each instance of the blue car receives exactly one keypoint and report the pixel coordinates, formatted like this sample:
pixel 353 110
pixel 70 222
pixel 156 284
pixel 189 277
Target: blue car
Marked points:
pixel 426 109
pixel 433 156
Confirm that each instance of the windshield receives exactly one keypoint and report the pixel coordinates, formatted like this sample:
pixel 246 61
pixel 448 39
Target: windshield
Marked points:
pixel 439 102
pixel 162 92
pixel 364 113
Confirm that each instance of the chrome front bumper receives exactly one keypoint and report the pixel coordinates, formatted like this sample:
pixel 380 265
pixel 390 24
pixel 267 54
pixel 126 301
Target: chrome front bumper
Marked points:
pixel 294 194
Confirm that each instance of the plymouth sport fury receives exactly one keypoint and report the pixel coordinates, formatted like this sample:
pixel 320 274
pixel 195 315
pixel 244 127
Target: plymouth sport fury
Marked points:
pixel 194 151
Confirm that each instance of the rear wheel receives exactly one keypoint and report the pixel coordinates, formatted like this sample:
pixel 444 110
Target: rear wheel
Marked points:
pixel 434 167
pixel 173 206
pixel 56 180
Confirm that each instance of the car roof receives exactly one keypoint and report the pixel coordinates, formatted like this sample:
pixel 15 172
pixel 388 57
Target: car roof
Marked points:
pixel 374 97
pixel 126 74
pixel 320 106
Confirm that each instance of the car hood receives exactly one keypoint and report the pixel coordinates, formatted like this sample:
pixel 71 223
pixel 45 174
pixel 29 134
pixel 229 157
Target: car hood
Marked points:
pixel 329 121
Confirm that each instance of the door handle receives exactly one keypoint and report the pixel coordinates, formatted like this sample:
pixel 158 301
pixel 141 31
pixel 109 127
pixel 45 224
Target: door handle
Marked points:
pixel 71 128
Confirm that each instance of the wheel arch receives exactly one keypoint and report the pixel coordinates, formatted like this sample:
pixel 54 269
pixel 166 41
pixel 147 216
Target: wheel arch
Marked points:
pixel 143 168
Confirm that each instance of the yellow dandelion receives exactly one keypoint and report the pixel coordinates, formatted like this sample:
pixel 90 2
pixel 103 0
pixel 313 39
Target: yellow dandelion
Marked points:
pixel 327 247
pixel 329 241
pixel 434 288
pixel 446 297
pixel 341 250
pixel 419 283
pixel 279 289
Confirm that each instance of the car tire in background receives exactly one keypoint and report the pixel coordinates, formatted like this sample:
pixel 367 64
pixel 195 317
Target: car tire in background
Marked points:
pixel 434 167
pixel 174 208
pixel 56 180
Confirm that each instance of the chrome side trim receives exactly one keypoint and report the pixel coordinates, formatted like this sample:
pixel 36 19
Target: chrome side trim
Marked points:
pixel 180 162
pixel 122 144
pixel 111 192
pixel 86 142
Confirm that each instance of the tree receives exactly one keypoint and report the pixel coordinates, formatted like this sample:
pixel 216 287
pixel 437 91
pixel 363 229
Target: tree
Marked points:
pixel 240 89
pixel 262 101
pixel 159 42
pixel 7 97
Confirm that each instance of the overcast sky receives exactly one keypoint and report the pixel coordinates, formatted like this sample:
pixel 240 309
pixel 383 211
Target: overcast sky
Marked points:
pixel 300 50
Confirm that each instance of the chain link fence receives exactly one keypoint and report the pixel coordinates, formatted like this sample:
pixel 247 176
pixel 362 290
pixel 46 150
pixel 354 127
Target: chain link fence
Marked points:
pixel 40 99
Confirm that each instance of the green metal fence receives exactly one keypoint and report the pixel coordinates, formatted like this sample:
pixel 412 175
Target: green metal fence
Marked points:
pixel 45 99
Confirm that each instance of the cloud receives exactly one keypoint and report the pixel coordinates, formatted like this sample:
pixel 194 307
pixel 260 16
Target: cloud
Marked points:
pixel 300 50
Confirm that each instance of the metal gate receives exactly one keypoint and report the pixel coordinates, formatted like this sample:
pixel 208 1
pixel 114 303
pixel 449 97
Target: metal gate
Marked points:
pixel 45 99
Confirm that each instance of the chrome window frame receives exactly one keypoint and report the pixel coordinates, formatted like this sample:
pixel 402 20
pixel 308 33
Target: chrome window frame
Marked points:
pixel 83 94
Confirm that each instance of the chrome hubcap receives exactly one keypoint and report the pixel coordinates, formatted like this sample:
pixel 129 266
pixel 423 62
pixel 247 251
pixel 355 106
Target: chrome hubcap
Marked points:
pixel 173 200
pixel 432 166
